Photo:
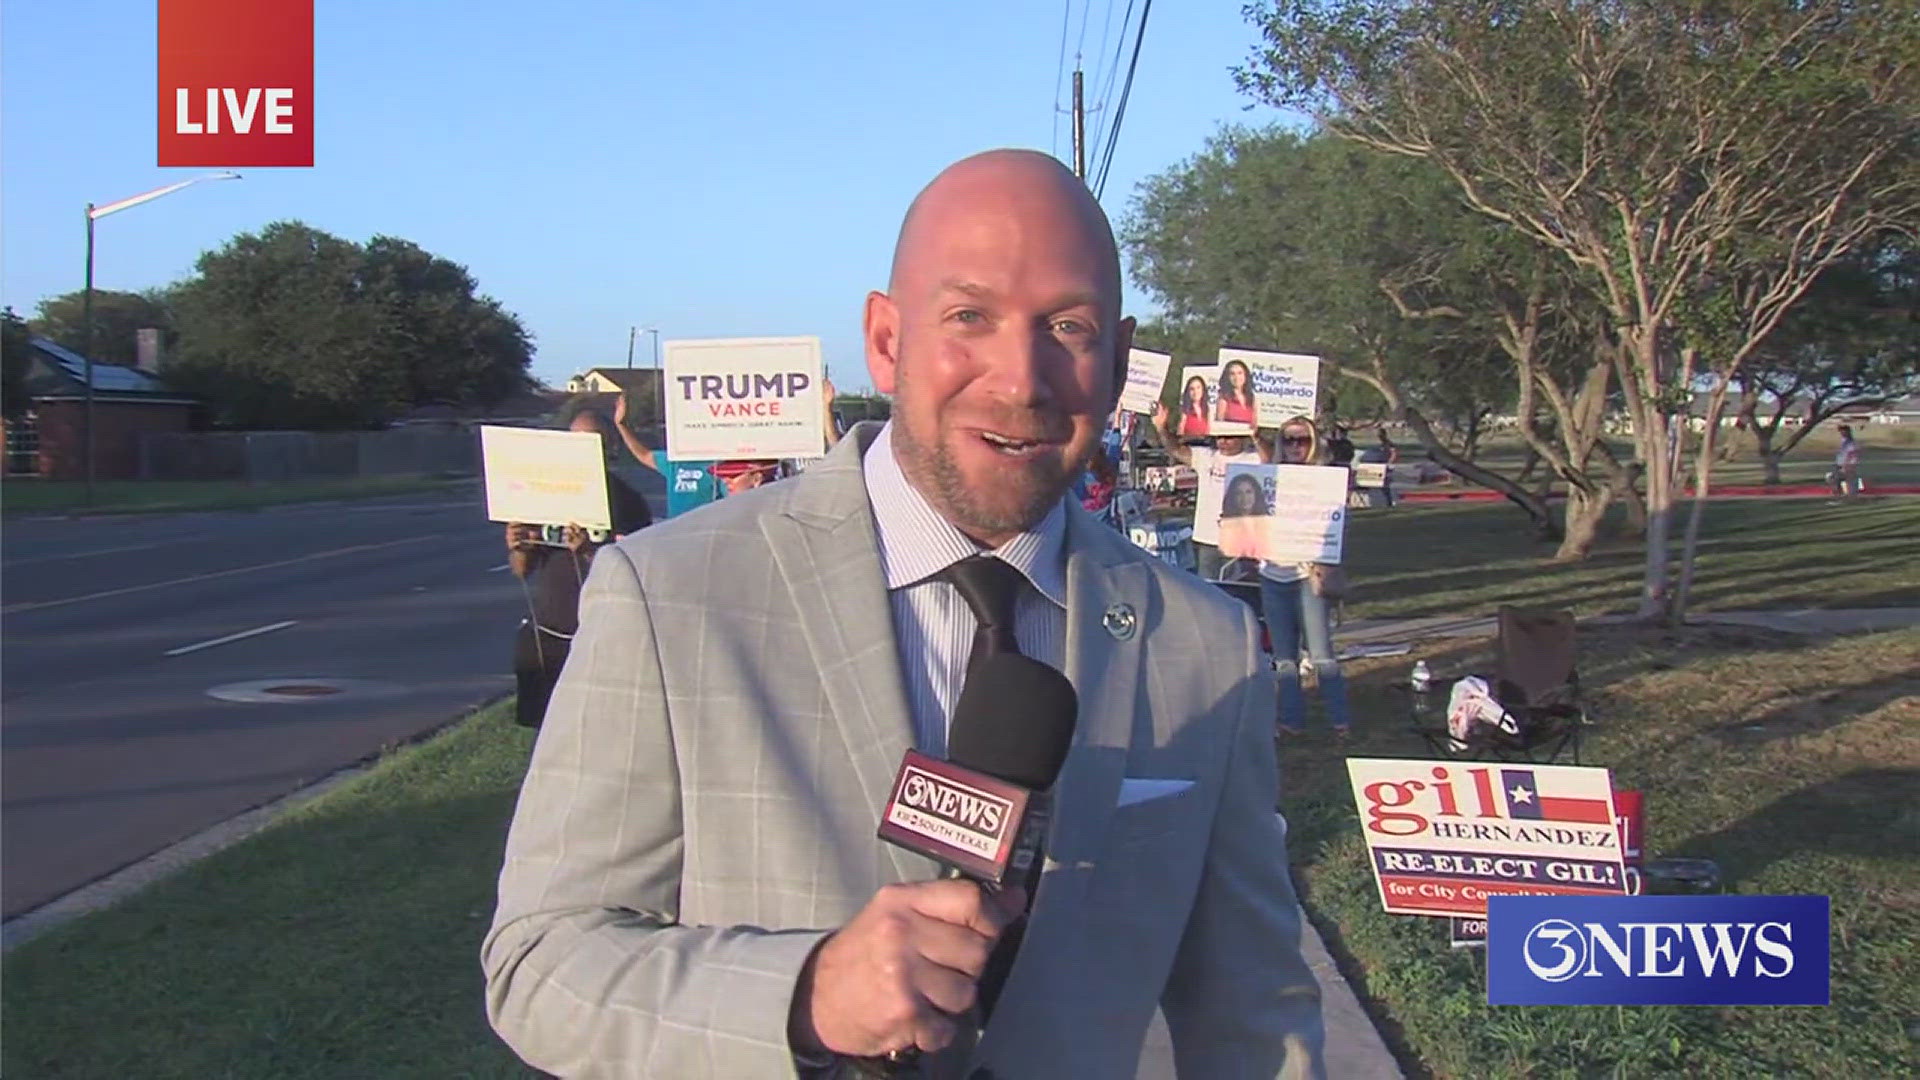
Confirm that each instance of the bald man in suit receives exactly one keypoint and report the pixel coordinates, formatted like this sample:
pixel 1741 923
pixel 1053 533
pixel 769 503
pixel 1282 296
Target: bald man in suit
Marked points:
pixel 692 885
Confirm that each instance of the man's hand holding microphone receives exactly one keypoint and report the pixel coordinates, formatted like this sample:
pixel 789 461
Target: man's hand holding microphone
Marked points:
pixel 900 972
pixel 902 975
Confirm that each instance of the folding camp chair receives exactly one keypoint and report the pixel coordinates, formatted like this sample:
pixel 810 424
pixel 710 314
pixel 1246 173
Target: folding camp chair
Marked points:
pixel 1536 681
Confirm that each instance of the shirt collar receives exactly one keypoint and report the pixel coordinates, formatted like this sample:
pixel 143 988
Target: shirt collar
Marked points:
pixel 917 543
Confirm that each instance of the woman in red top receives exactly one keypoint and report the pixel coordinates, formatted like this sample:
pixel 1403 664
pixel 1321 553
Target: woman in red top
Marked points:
pixel 1236 394
pixel 1193 409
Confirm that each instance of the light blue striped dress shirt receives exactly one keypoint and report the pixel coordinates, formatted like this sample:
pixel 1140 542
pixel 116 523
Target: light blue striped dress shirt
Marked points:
pixel 931 623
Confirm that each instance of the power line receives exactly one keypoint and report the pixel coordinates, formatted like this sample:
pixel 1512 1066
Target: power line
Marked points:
pixel 1126 91
pixel 1080 47
pixel 1060 72
pixel 1113 74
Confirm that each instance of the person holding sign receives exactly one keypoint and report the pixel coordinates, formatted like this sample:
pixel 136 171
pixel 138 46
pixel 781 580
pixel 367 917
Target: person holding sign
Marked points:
pixel 1294 598
pixel 707 481
pixel 1236 404
pixel 553 577
pixel 1210 460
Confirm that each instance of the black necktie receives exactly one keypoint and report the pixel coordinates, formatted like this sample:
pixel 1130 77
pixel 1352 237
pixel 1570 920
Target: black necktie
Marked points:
pixel 990 587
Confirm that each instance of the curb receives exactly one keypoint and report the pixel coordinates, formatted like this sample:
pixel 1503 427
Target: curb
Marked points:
pixel 104 892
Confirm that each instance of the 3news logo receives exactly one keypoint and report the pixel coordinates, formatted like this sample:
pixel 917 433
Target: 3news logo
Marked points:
pixel 1657 950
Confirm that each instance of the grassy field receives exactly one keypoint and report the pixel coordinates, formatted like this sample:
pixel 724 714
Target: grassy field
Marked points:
pixel 1889 454
pixel 342 941
pixel 1442 559
pixel 26 495
pixel 1793 765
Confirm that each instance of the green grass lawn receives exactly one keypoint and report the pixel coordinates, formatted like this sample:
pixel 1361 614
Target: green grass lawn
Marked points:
pixel 1416 560
pixel 1793 765
pixel 27 495
pixel 342 941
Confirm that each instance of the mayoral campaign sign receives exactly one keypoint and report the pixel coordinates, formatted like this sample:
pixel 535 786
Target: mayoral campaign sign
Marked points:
pixel 1283 513
pixel 743 398
pixel 540 477
pixel 1285 385
pixel 1146 376
pixel 1442 836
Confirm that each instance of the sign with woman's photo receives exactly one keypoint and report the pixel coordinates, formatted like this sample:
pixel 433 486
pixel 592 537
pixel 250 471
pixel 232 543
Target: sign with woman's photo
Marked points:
pixel 1194 418
pixel 1284 513
pixel 1279 385
pixel 1234 408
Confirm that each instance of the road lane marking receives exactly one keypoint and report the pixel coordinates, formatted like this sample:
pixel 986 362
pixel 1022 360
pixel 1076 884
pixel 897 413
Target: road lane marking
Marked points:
pixel 100 551
pixel 38 605
pixel 241 636
pixel 497 569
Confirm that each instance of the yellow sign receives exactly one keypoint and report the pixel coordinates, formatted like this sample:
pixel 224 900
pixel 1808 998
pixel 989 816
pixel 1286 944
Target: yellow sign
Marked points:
pixel 539 477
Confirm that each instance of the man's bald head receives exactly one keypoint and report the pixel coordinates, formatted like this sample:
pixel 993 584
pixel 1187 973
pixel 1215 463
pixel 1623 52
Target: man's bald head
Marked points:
pixel 1000 338
pixel 1022 181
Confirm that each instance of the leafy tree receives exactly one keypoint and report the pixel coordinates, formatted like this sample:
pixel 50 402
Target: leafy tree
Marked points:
pixel 1371 261
pixel 1696 164
pixel 1852 342
pixel 117 319
pixel 16 358
pixel 295 327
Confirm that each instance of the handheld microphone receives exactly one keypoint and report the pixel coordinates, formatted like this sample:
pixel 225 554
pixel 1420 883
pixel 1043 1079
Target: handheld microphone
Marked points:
pixel 983 812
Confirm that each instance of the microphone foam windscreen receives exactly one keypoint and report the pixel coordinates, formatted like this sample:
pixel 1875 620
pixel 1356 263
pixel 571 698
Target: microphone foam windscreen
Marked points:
pixel 1014 720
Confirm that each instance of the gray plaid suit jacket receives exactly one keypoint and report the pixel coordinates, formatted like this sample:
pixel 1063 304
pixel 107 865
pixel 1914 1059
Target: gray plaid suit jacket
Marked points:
pixel 701 806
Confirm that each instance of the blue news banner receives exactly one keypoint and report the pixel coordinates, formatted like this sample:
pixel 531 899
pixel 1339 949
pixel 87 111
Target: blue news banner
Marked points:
pixel 1657 950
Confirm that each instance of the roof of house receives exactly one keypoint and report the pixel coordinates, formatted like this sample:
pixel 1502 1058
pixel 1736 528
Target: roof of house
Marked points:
pixel 69 376
pixel 626 378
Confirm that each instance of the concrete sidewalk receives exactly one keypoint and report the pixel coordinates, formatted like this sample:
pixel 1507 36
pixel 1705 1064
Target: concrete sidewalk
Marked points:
pixel 1354 1048
pixel 1359 632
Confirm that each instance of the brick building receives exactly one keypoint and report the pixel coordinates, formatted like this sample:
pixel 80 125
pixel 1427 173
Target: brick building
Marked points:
pixel 48 439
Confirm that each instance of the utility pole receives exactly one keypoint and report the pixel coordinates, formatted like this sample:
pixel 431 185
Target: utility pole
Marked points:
pixel 632 332
pixel 1079 128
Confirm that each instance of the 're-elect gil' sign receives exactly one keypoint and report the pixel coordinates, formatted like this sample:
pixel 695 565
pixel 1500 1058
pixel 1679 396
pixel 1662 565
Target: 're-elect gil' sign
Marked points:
pixel 744 398
pixel 1442 836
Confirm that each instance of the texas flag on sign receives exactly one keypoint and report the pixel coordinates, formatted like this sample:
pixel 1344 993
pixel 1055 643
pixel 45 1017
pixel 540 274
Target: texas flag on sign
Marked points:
pixel 1525 800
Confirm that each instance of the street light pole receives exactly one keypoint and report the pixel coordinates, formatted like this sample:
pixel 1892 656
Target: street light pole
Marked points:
pixel 94 213
pixel 86 354
pixel 655 331
pixel 631 332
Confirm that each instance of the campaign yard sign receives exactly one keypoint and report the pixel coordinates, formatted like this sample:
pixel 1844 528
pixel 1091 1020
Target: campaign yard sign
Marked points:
pixel 1146 375
pixel 729 399
pixel 540 477
pixel 1442 836
pixel 1285 385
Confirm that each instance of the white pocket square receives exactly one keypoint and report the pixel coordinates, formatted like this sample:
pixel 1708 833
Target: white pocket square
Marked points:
pixel 1137 790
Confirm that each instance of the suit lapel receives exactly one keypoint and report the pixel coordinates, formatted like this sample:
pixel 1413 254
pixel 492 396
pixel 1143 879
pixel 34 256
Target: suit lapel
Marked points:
pixel 825 547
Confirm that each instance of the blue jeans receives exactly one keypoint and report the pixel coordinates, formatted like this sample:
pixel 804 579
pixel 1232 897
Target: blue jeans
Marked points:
pixel 1297 622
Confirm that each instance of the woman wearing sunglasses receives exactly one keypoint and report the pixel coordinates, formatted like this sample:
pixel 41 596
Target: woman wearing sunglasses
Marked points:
pixel 1294 598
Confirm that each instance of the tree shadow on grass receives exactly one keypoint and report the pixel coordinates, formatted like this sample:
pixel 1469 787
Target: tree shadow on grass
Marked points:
pixel 1866 813
pixel 1830 707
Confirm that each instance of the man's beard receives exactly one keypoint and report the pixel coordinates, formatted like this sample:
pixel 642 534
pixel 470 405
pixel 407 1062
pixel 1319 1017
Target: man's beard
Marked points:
pixel 932 467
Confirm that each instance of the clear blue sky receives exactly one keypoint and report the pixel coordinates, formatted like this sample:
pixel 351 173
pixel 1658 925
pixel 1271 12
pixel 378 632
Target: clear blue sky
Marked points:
pixel 717 169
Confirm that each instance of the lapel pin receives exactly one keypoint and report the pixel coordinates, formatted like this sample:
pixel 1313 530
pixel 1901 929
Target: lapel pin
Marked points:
pixel 1120 621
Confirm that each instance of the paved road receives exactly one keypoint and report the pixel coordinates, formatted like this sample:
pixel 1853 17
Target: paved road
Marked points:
pixel 112 749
